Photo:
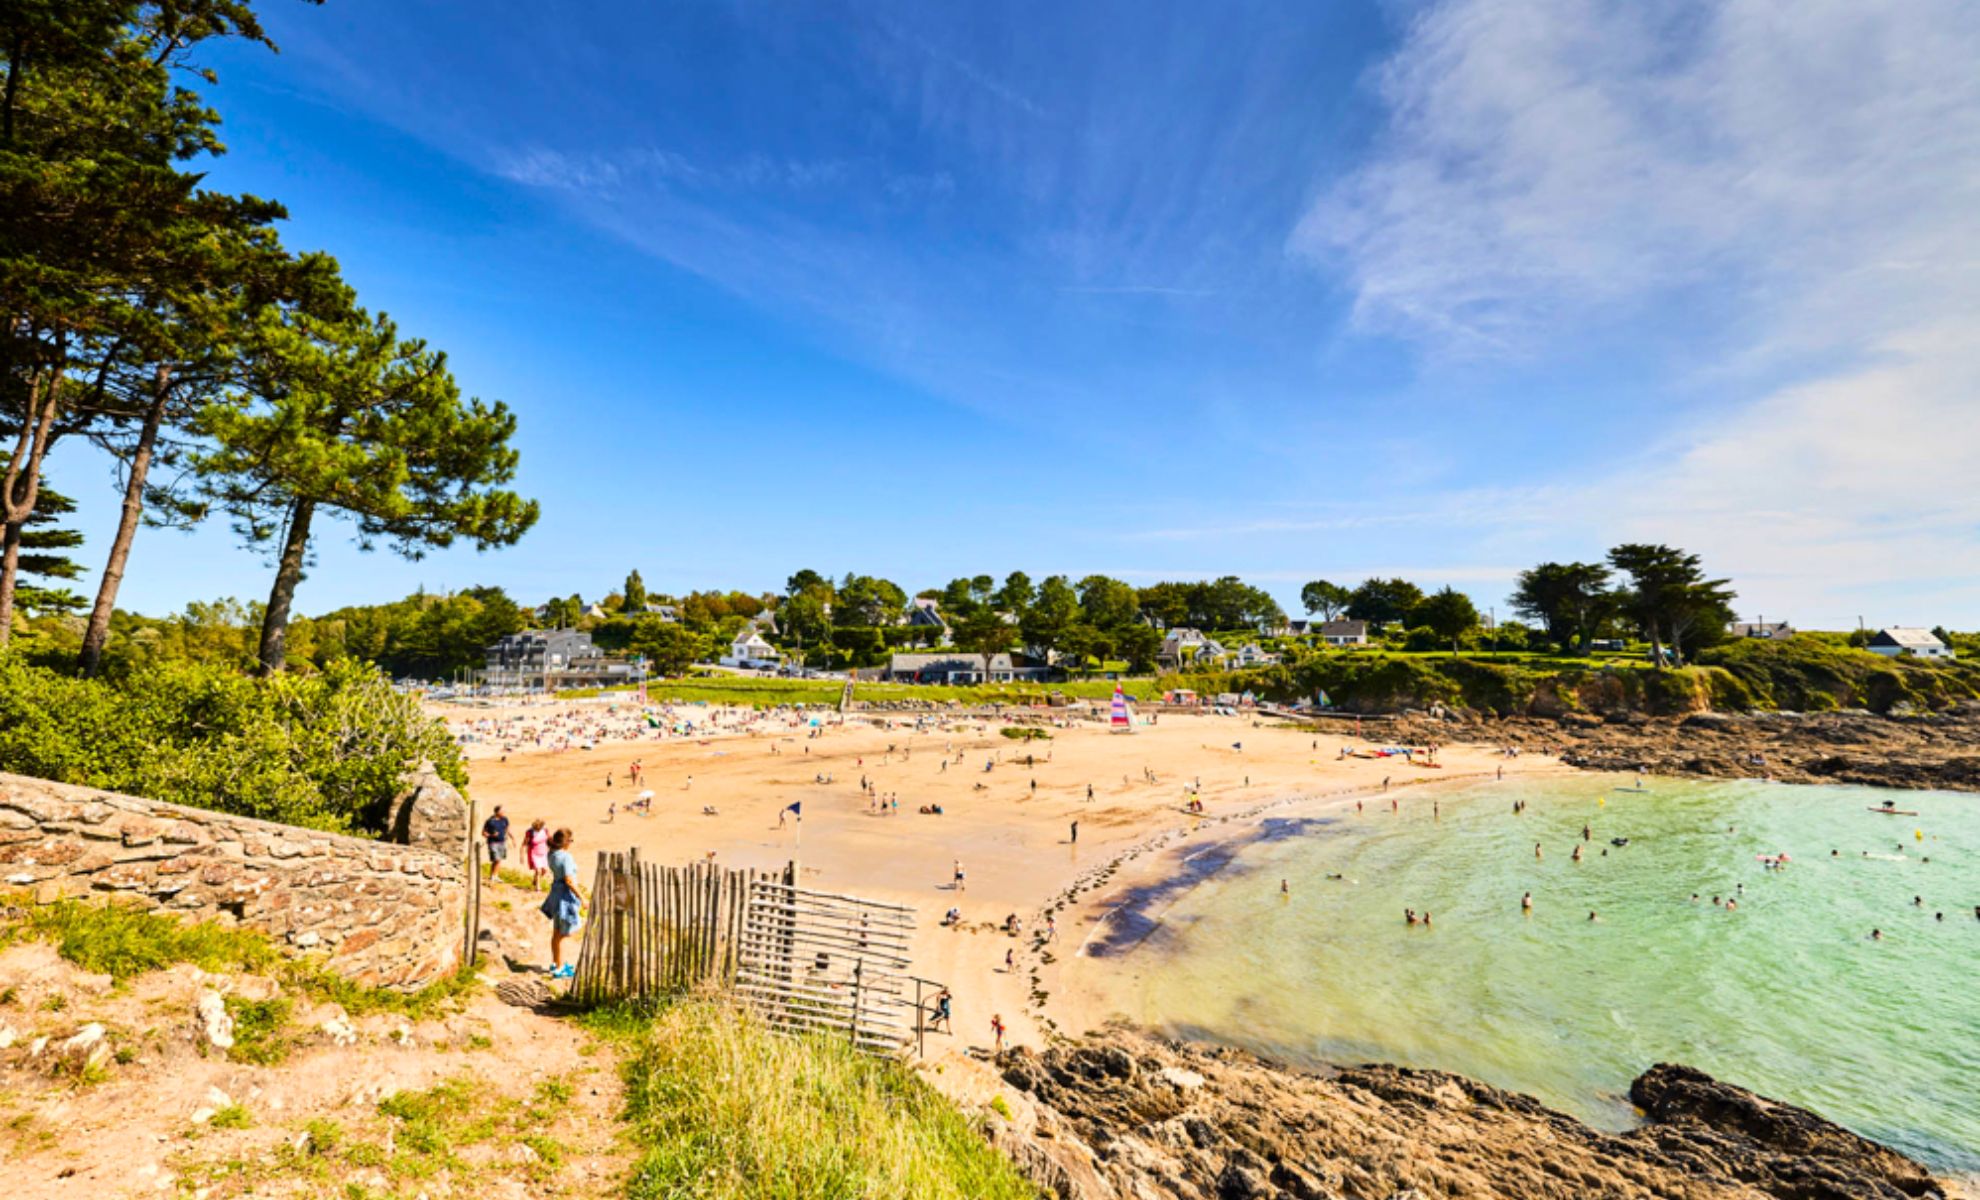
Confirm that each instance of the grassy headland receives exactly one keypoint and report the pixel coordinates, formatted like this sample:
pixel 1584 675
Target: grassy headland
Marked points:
pixel 723 1109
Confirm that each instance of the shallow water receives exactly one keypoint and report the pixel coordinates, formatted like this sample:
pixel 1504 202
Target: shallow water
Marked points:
pixel 1786 994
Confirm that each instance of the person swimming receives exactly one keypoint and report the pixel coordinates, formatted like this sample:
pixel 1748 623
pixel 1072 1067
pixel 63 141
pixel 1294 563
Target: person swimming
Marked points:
pixel 1526 902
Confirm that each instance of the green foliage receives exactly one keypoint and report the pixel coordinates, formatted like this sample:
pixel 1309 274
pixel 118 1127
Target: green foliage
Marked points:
pixel 1025 733
pixel 1809 673
pixel 43 550
pixel 121 941
pixel 336 414
pixel 633 595
pixel 1325 600
pixel 721 1108
pixel 423 636
pixel 1670 599
pixel 323 751
pixel 1384 601
pixel 1224 603
pixel 260 1029
pixel 669 648
pixel 443 995
pixel 231 1116
pixel 1571 600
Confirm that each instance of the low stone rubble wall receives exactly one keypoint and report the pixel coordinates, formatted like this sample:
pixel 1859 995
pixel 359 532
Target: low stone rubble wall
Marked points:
pixel 379 913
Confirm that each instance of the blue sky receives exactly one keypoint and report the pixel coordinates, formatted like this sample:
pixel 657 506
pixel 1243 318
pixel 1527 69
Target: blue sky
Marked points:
pixel 1159 290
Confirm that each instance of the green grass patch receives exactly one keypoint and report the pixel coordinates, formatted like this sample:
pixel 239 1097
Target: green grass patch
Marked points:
pixel 233 1116
pixel 120 941
pixel 261 1030
pixel 442 996
pixel 723 1109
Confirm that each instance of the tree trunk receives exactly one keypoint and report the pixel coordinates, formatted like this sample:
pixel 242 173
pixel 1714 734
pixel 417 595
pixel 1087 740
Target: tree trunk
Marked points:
pixel 20 487
pixel 1656 647
pixel 90 660
pixel 288 573
pixel 10 561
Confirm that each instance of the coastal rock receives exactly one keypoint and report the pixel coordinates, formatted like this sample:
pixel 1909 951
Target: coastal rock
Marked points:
pixel 1121 1126
pixel 212 1024
pixel 1939 751
pixel 429 812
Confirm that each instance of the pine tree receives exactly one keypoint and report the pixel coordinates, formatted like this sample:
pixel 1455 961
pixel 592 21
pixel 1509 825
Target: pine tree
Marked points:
pixel 41 556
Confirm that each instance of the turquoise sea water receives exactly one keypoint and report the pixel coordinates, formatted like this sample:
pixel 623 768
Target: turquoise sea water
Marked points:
pixel 1787 994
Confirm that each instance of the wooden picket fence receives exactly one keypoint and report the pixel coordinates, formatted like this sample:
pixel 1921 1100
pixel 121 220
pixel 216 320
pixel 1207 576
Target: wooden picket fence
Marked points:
pixel 805 961
pixel 654 931
pixel 818 962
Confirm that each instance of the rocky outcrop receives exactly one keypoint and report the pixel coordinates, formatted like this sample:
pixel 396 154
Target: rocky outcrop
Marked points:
pixel 429 812
pixel 382 914
pixel 1941 750
pixel 1127 1116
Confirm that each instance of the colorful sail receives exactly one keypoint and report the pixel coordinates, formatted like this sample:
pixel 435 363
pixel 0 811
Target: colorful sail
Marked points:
pixel 1120 718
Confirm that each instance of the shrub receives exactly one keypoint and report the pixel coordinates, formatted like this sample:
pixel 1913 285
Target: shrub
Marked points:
pixel 1025 733
pixel 324 751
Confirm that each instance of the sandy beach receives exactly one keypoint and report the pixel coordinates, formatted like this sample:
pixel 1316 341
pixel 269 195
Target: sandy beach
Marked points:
pixel 1008 814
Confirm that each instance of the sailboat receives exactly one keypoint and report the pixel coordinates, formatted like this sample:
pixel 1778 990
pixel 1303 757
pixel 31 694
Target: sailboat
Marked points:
pixel 1120 719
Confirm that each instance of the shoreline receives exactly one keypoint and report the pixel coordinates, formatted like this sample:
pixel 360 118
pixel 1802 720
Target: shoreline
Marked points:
pixel 1007 806
pixel 1159 867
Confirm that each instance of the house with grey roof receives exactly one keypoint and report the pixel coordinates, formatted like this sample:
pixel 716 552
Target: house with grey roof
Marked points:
pixel 1344 633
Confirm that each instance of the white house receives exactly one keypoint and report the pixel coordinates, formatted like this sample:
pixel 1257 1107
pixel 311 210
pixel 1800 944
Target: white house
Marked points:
pixel 1249 655
pixel 666 612
pixel 1344 633
pixel 1897 640
pixel 750 650
pixel 594 610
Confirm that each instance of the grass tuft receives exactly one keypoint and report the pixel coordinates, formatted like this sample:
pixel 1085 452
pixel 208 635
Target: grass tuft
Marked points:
pixel 260 1030
pixel 724 1109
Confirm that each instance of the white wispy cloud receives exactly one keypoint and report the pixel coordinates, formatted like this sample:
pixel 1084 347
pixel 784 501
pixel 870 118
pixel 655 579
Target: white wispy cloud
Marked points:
pixel 1808 171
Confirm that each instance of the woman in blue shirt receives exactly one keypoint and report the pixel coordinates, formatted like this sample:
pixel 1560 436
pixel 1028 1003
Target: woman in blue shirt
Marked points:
pixel 565 903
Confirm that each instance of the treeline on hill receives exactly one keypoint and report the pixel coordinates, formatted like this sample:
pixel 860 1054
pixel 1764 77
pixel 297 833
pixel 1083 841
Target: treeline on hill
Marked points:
pixel 1810 672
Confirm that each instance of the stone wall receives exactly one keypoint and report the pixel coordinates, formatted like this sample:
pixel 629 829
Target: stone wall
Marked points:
pixel 382 914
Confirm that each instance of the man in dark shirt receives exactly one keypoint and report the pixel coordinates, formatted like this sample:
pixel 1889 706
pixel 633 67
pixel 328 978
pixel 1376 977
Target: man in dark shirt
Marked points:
pixel 495 831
